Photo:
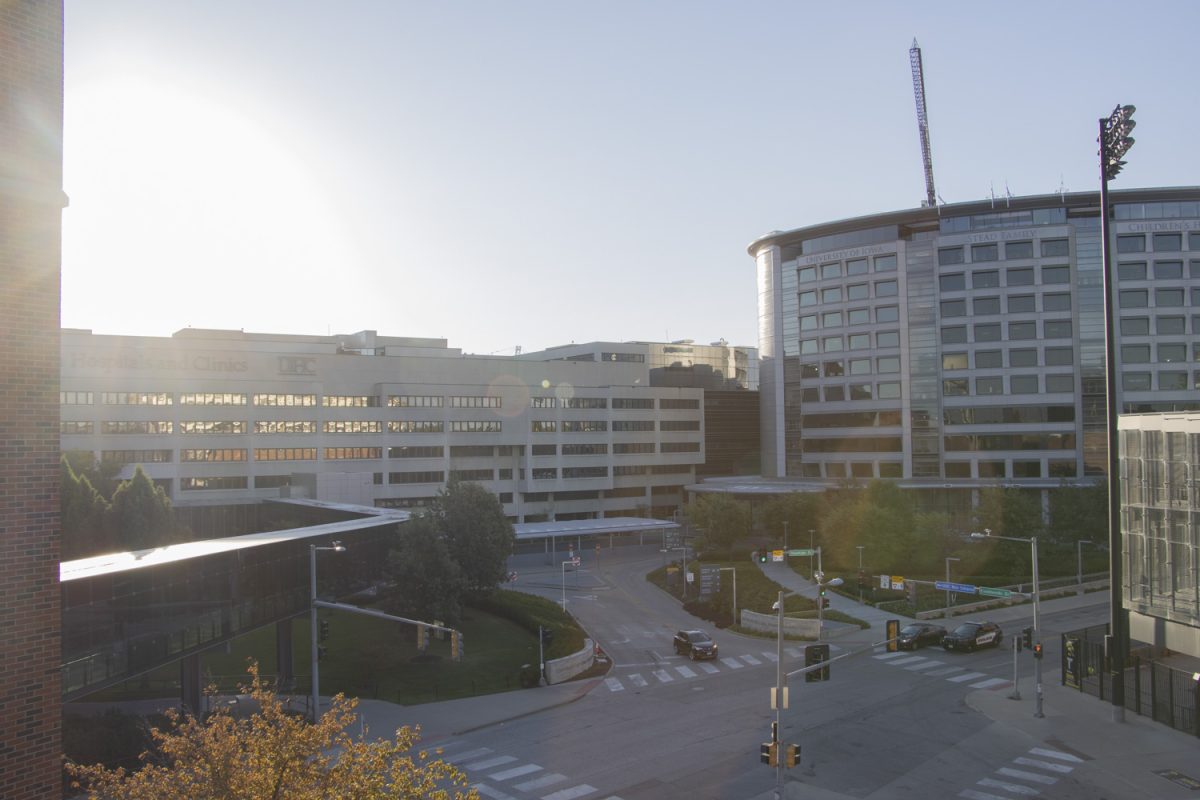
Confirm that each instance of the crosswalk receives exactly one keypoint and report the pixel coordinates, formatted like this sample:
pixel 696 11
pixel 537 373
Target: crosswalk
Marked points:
pixel 498 776
pixel 933 668
pixel 664 673
pixel 1025 776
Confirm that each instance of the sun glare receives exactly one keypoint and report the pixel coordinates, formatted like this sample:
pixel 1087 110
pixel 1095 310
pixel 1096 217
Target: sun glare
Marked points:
pixel 178 202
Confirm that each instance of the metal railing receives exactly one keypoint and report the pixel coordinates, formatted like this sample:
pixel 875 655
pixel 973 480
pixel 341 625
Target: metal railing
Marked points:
pixel 1165 694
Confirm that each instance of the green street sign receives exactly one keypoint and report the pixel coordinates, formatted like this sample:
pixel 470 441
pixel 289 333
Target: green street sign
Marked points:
pixel 987 591
pixel 804 552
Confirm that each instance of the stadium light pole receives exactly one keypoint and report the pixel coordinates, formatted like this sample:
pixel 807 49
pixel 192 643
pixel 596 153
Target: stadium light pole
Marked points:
pixel 335 547
pixel 1115 141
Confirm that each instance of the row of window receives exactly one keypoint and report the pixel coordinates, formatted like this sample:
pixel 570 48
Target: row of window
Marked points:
pixel 850 267
pixel 884 390
pixel 1168 381
pixel 1162 270
pixel 850 317
pixel 1164 297
pixel 990 251
pixel 1017 384
pixel 235 427
pixel 1017 357
pixel 1017 304
pixel 1016 276
pixel 991 331
pixel 856 366
pixel 1169 242
pixel 838 294
pixel 1166 352
pixel 855 341
pixel 1055 468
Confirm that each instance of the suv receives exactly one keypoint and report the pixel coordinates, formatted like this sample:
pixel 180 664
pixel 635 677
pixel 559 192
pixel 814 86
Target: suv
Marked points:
pixel 695 644
pixel 970 635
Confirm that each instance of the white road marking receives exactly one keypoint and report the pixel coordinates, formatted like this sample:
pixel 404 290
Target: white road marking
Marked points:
pixel 614 685
pixel 924 665
pixel 515 772
pixel 1041 751
pixel 1046 765
pixel 570 794
pixel 662 675
pixel 794 652
pixel 971 794
pixel 542 782
pixel 1013 788
pixel 489 763
pixel 711 669
pixel 482 751
pixel 732 663
pixel 751 660
pixel 886 656
pixel 685 671
pixel 907 660
pixel 946 671
pixel 1027 776
pixel 638 681
pixel 772 657
pixel 966 676
pixel 991 683
pixel 488 791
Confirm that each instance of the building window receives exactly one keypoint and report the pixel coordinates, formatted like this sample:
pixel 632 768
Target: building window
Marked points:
pixel 985 252
pixel 414 401
pixel 957 469
pixel 1172 353
pixel 352 453
pixel 886 288
pixel 833 369
pixel 829 271
pixel 475 402
pixel 1062 469
pixel 954 361
pixel 136 398
pixel 352 426
pixel 1132 271
pixel 473 451
pixel 630 448
pixel 1135 326
pixel 857 266
pixel 887 314
pixel 633 402
pixel 585 426
pixel 806 274
pixel 136 456
pixel 985 279
pixel 986 305
pixel 220 455
pixel 544 474
pixel 631 425
pixel 1168 298
pixel 808 298
pixel 75 398
pixel 831 294
pixel 285 454
pixel 1056 275
pixel 1027 469
pixel 585 402
pixel 272 481
pixel 1170 326
pixel 834 394
pixel 1019 277
pixel 573 473
pixel 427 476
pixel 831 344
pixel 475 426
pixel 990 385
pixel 633 358
pixel 679 425
pixel 954 308
pixel 1060 383
pixel 1134 298
pixel 950 255
pixel 988 359
pixel 860 391
pixel 1021 303
pixel 1014 250
pixel 1135 354
pixel 285 400
pixel 954 387
pixel 212 399
pixel 1059 356
pixel 1135 381
pixel 860 341
pixel 350 401
pixel 1056 302
pixel 989 332
pixel 952 283
pixel 808 322
pixel 472 475
pixel 678 403
pixel 415 426
pixel 543 450
pixel 858 316
pixel 215 483
pixel 679 447
pixel 860 366
pixel 888 390
pixel 887 364
pixel 223 426
pixel 1131 243
pixel 886 339
pixel 1023 384
pixel 885 263
pixel 1168 270
pixel 991 469
pixel 858 291
pixel 1023 358
pixel 1022 330
pixel 1057 329
pixel 809 346
pixel 1168 242
pixel 1172 381
pixel 1053 248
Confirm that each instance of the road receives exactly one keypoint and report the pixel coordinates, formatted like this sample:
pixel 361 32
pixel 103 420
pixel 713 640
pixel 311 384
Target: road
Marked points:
pixel 660 726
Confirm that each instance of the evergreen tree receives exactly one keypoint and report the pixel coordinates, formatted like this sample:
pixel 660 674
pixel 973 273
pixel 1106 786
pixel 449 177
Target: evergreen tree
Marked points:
pixel 140 515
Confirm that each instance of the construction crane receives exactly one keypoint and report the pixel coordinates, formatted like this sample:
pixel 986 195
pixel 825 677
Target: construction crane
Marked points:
pixel 918 78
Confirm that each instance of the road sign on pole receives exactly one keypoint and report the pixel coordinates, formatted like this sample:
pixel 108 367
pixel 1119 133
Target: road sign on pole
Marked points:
pixel 988 591
pixel 804 551
pixel 961 588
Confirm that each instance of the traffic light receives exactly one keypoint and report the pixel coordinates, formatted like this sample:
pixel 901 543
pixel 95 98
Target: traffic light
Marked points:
pixel 893 631
pixel 422 638
pixel 816 654
pixel 1027 637
pixel 792 756
pixel 824 599
pixel 768 753
pixel 762 556
pixel 1037 650
pixel 323 627
pixel 456 645
pixel 321 651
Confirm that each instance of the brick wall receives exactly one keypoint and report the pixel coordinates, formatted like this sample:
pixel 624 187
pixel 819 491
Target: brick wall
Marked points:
pixel 31 201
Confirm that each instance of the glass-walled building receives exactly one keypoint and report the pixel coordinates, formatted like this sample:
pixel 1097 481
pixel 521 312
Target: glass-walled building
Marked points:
pixel 963 346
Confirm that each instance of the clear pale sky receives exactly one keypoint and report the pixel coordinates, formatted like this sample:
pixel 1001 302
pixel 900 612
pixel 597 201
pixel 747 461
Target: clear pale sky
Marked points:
pixel 536 173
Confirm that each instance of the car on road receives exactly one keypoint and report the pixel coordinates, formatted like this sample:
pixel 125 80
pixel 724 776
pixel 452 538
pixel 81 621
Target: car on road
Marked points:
pixel 972 635
pixel 919 634
pixel 695 644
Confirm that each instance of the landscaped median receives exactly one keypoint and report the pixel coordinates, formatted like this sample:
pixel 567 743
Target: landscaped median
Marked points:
pixel 756 593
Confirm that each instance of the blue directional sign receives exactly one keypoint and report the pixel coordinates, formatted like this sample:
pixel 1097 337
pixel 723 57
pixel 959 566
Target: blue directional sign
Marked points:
pixel 961 588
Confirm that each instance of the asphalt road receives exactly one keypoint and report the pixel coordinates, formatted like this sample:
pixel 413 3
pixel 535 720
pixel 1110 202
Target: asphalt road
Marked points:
pixel 660 726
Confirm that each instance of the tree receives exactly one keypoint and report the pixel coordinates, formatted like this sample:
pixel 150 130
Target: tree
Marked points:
pixel 1079 512
pixel 478 536
pixel 801 511
pixel 140 515
pixel 83 511
pixel 273 755
pixel 724 518
pixel 428 583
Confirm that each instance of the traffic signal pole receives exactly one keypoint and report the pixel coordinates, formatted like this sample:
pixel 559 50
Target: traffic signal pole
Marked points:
pixel 778 695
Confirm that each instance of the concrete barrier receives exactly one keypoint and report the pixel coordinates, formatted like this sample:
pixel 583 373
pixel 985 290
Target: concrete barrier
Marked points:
pixel 966 609
pixel 567 667
pixel 769 623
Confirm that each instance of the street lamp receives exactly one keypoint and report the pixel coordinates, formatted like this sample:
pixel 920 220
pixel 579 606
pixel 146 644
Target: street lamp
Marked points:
pixel 1037 636
pixel 785 542
pixel 335 547
pixel 860 547
pixel 811 574
pixel 1115 142
pixel 948 560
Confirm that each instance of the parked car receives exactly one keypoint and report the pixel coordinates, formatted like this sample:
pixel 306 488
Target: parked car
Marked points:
pixel 695 644
pixel 919 634
pixel 971 635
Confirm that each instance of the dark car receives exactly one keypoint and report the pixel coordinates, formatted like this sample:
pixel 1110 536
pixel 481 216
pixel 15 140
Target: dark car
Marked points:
pixel 919 634
pixel 695 644
pixel 971 635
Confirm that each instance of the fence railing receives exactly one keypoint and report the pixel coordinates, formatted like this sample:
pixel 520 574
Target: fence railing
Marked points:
pixel 1152 689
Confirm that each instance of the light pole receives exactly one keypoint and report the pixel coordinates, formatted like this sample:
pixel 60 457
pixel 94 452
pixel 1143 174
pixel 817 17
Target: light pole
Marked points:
pixel 948 560
pixel 1037 636
pixel 859 548
pixel 1079 562
pixel 734 571
pixel 785 543
pixel 335 547
pixel 811 574
pixel 1115 141
pixel 778 694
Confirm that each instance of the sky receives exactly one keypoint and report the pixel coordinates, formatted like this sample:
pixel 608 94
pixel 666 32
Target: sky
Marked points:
pixel 529 174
